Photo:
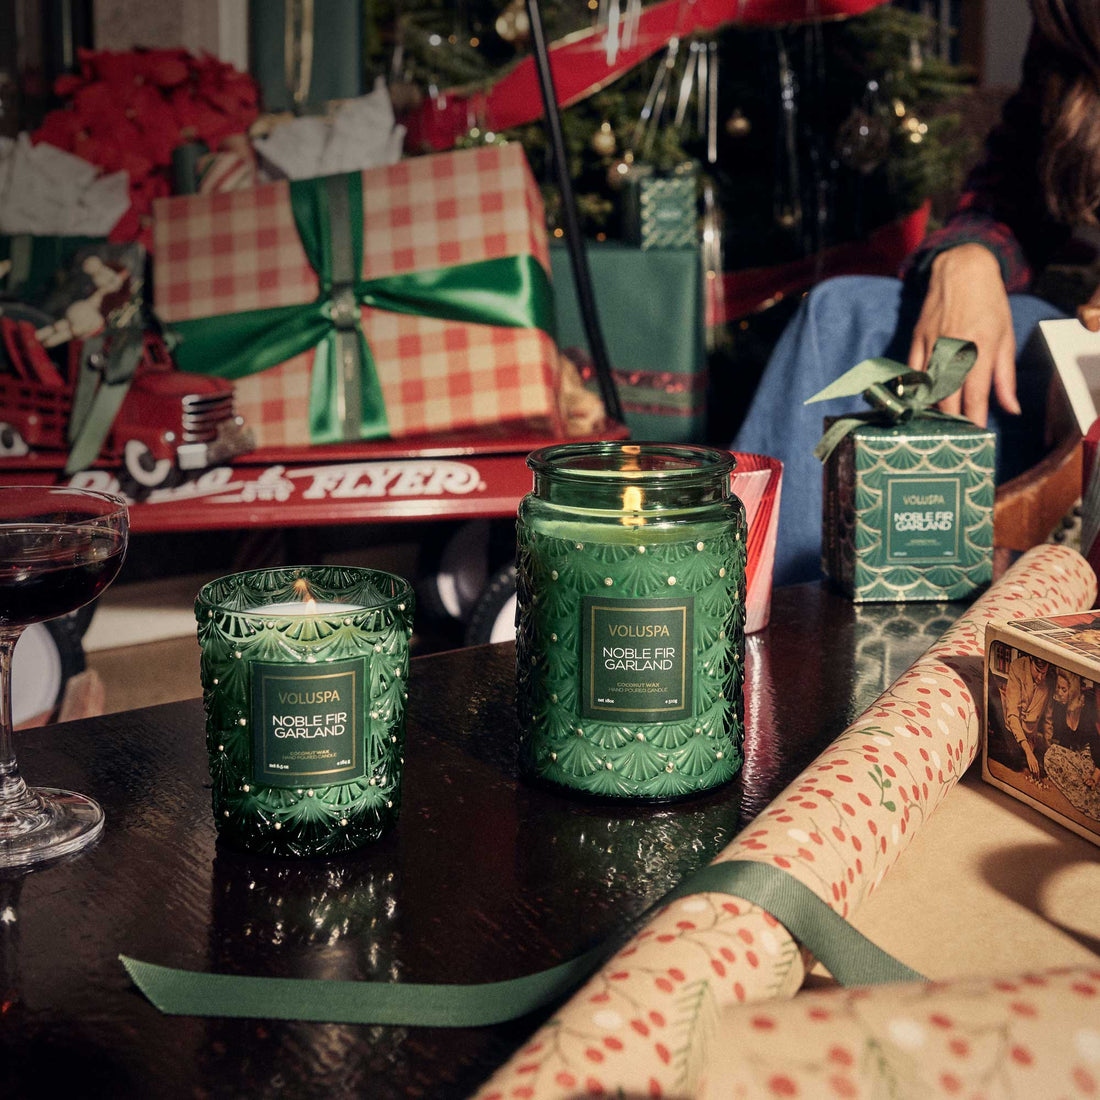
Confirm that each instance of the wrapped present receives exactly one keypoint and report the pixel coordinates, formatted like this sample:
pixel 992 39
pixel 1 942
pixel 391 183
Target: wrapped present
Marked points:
pixel 398 301
pixel 908 499
pixel 660 209
pixel 650 305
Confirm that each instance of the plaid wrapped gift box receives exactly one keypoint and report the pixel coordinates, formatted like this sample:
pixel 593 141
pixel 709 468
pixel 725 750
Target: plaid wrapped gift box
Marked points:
pixel 409 299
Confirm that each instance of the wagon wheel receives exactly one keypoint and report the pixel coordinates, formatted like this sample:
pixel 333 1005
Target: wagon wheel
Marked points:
pixel 458 562
pixel 47 656
pixel 143 469
pixel 12 444
pixel 494 616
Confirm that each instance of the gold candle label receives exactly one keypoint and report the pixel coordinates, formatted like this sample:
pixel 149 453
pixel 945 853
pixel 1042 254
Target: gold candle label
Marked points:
pixel 922 519
pixel 307 723
pixel 636 659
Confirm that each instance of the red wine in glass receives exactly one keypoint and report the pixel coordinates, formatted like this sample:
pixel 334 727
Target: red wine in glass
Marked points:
pixel 48 570
pixel 59 548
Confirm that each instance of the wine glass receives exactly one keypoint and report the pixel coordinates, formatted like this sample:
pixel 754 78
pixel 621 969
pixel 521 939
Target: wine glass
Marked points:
pixel 59 548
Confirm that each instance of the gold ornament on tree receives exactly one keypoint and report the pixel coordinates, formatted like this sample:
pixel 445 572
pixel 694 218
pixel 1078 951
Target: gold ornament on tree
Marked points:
pixel 911 126
pixel 737 125
pixel 619 170
pixel 603 140
pixel 513 24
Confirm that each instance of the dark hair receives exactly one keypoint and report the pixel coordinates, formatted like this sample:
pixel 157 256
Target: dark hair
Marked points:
pixel 1069 163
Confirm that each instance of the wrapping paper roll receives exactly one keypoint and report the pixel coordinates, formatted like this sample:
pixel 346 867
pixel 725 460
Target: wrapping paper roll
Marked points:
pixel 1032 1035
pixel 643 1025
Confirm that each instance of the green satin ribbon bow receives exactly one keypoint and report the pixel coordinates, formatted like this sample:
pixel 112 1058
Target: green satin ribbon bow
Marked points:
pixel 345 400
pixel 897 393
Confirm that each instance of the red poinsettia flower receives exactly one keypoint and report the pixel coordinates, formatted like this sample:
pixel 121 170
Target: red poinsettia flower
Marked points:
pixel 111 67
pixel 129 110
pixel 65 85
pixel 157 122
pixel 60 128
pixel 164 68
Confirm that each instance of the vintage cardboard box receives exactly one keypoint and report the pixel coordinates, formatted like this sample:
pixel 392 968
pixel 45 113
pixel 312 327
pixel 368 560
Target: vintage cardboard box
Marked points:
pixel 1041 732
pixel 908 511
pixel 406 300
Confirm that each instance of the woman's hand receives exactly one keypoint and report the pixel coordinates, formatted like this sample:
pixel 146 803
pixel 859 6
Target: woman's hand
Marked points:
pixel 966 299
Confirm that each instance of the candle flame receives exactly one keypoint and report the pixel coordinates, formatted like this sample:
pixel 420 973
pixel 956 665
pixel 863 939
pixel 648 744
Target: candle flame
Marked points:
pixel 305 594
pixel 632 494
pixel 632 502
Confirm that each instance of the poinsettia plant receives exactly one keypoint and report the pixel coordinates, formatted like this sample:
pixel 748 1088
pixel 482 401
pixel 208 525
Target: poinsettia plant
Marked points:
pixel 128 110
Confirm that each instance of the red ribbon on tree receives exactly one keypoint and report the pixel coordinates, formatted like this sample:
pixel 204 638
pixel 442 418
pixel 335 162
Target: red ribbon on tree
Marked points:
pixel 580 67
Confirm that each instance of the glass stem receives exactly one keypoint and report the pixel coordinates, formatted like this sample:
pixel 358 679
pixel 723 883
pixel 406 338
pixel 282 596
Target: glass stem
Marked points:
pixel 12 787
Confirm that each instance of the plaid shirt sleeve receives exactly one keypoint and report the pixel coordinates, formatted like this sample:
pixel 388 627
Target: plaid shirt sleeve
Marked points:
pixel 1001 206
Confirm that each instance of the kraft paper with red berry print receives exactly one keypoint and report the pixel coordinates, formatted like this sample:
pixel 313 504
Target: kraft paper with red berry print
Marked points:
pixel 644 1024
pixel 1032 1035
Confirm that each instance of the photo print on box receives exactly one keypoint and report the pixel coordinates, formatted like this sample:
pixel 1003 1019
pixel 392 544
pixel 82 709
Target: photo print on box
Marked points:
pixel 1043 727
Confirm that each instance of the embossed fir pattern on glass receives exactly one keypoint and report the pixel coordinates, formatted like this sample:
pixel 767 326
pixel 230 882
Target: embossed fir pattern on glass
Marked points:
pixel 630 622
pixel 304 677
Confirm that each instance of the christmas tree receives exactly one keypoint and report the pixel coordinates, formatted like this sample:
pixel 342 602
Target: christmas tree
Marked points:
pixel 820 132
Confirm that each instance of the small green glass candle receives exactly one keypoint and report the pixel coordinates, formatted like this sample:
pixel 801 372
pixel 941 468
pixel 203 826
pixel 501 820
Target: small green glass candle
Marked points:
pixel 304 676
pixel 630 621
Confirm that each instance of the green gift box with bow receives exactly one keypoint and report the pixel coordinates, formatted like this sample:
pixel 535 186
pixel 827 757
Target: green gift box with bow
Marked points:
pixel 908 490
pixel 401 301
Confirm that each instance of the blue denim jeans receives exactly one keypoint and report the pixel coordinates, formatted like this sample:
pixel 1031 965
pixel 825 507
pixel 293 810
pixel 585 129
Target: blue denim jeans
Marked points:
pixel 841 322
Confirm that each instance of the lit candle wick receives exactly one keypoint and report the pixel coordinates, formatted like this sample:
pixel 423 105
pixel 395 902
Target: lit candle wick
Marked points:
pixel 632 502
pixel 305 594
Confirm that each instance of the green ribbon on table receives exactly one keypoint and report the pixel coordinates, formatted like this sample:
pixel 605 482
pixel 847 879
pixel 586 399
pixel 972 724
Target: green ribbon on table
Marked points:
pixel 896 393
pixel 848 955
pixel 345 401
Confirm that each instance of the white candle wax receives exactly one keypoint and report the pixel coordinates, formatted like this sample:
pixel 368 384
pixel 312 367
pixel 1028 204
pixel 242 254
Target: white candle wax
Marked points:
pixel 304 607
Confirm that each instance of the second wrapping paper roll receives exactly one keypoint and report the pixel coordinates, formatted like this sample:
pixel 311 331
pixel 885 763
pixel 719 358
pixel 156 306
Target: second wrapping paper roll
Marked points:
pixel 642 1025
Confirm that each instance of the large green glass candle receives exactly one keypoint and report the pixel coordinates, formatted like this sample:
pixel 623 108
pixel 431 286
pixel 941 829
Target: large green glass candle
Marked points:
pixel 304 674
pixel 630 622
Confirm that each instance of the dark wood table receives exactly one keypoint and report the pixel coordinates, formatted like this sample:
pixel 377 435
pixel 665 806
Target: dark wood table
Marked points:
pixel 485 877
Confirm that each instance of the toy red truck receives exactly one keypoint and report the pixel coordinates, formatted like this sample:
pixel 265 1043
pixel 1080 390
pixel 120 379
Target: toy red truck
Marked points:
pixel 167 423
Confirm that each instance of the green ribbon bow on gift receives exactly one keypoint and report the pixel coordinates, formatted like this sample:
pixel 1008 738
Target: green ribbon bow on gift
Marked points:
pixel 345 400
pixel 897 393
